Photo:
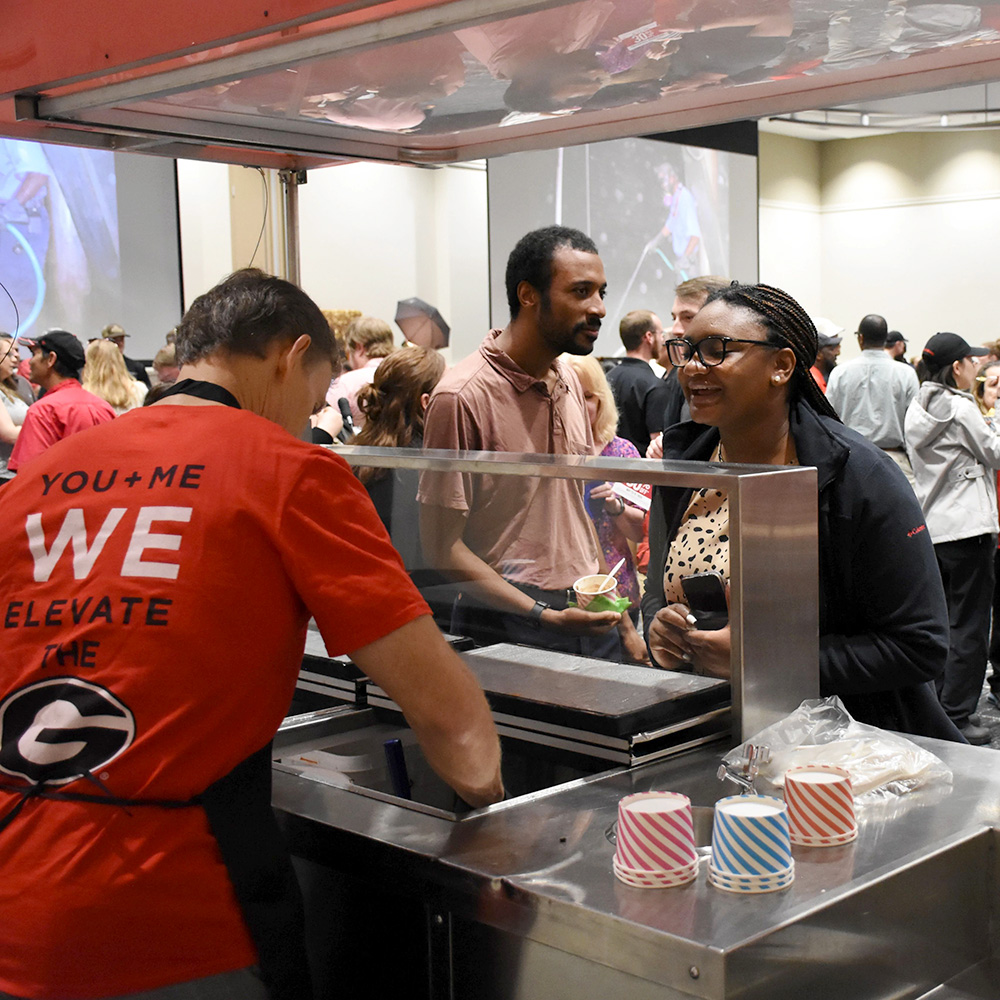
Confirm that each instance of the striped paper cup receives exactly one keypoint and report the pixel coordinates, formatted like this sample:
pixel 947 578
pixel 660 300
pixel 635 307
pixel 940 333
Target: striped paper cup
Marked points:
pixel 820 805
pixel 656 834
pixel 642 879
pixel 751 883
pixel 750 836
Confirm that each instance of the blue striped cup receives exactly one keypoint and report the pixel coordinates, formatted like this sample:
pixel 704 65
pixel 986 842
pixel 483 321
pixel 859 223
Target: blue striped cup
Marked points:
pixel 750 836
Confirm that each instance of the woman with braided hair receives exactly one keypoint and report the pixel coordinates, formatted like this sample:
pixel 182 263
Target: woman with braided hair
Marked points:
pixel 744 368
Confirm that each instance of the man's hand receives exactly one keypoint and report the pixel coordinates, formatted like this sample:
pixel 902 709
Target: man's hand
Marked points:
pixel 576 621
pixel 443 703
pixel 632 644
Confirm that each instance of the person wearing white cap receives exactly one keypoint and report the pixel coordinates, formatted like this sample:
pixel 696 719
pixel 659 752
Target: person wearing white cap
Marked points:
pixel 136 369
pixel 955 455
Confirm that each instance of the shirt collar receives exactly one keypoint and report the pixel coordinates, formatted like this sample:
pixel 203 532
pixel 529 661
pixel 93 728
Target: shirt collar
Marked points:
pixel 62 385
pixel 502 362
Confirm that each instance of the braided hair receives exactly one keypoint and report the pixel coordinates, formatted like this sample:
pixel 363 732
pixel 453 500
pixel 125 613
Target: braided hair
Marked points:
pixel 788 325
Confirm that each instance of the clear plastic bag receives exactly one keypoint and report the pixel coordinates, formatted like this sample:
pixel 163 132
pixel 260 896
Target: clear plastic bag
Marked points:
pixel 882 765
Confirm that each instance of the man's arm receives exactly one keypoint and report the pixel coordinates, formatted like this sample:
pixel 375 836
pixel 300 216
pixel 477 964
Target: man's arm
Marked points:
pixel 441 530
pixel 37 433
pixel 444 705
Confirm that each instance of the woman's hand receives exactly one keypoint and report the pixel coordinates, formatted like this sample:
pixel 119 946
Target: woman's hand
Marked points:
pixel 668 634
pixel 710 652
pixel 676 643
pixel 605 492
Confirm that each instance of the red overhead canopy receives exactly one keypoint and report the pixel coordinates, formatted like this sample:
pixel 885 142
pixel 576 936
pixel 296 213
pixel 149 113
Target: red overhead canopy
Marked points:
pixel 301 83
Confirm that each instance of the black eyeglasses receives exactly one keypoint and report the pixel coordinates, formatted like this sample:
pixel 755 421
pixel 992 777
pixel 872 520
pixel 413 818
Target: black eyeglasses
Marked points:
pixel 710 351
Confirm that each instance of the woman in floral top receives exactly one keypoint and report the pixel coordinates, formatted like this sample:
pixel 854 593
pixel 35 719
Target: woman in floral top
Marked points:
pixel 618 521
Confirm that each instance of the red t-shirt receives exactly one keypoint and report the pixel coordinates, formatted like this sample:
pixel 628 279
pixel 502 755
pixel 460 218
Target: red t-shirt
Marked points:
pixel 167 566
pixel 62 411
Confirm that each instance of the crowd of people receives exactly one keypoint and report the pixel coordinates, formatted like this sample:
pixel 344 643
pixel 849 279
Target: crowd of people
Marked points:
pixel 258 529
pixel 65 387
pixel 907 549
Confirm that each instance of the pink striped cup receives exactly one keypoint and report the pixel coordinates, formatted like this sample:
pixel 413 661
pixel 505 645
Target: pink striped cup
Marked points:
pixel 656 835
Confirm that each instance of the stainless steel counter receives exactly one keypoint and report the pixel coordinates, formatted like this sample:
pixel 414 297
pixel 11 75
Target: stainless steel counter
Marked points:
pixel 521 900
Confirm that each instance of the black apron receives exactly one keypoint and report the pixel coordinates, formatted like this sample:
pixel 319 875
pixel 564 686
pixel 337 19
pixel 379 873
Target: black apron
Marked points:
pixel 240 817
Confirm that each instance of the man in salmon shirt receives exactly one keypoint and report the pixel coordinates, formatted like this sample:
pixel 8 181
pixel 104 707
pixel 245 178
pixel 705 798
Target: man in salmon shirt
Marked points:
pixel 159 576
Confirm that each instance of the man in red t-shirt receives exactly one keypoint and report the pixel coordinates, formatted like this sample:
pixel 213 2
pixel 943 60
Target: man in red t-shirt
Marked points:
pixel 158 580
pixel 66 407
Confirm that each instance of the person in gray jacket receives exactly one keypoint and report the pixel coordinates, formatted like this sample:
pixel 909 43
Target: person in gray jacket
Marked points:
pixel 954 455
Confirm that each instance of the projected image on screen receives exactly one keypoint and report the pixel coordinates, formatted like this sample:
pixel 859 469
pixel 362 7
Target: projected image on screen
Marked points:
pixel 60 260
pixel 659 212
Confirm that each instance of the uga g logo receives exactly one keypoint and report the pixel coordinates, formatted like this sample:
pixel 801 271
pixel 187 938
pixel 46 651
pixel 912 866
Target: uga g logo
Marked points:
pixel 59 729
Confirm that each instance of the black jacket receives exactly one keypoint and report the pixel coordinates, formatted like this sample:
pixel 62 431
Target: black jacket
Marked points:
pixel 883 621
pixel 640 396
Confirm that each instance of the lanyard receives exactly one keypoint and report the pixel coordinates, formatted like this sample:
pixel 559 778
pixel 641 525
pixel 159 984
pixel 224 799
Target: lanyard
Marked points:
pixel 203 390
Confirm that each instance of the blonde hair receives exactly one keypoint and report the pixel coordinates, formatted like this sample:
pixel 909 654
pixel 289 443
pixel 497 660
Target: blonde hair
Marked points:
pixel 7 344
pixel 371 334
pixel 594 381
pixel 105 374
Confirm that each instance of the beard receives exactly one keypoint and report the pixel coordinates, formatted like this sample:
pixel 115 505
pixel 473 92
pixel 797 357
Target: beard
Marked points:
pixel 562 338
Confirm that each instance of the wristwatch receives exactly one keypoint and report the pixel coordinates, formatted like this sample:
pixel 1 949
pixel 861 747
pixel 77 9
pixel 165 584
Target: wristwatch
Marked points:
pixel 535 614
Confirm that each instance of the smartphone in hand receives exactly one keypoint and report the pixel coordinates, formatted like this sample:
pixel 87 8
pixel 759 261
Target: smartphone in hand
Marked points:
pixel 706 597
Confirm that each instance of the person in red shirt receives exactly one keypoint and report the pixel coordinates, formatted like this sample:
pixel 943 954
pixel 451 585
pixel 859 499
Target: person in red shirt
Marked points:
pixel 66 407
pixel 159 577
pixel 826 354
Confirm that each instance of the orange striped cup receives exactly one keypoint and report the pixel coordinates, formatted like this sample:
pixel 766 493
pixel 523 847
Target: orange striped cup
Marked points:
pixel 820 805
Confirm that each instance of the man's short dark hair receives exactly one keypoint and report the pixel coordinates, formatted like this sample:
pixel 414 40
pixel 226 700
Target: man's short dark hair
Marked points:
pixel 873 330
pixel 634 326
pixel 247 312
pixel 531 259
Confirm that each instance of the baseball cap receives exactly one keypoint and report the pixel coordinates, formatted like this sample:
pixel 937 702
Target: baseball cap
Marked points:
pixel 828 340
pixel 895 337
pixel 827 328
pixel 945 348
pixel 65 346
pixel 113 330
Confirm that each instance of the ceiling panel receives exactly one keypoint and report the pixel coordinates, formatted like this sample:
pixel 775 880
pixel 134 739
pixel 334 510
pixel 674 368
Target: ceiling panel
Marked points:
pixel 468 78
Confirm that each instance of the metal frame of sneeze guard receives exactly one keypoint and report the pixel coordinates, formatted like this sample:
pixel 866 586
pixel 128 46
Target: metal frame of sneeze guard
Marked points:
pixel 774 570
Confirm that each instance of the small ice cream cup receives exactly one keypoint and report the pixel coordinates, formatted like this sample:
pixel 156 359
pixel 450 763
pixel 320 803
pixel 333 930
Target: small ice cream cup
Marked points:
pixel 597 585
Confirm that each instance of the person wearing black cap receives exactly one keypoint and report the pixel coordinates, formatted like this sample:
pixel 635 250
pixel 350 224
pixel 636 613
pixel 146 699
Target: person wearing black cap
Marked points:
pixel 895 347
pixel 66 407
pixel 883 624
pixel 954 454
pixel 826 358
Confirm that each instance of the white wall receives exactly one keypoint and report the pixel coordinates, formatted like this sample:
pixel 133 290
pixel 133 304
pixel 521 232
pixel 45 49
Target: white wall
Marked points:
pixel 372 234
pixel 903 225
pixel 203 193
pixel 910 226
pixel 790 218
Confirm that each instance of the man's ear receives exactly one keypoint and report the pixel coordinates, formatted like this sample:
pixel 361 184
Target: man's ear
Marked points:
pixel 527 295
pixel 295 353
